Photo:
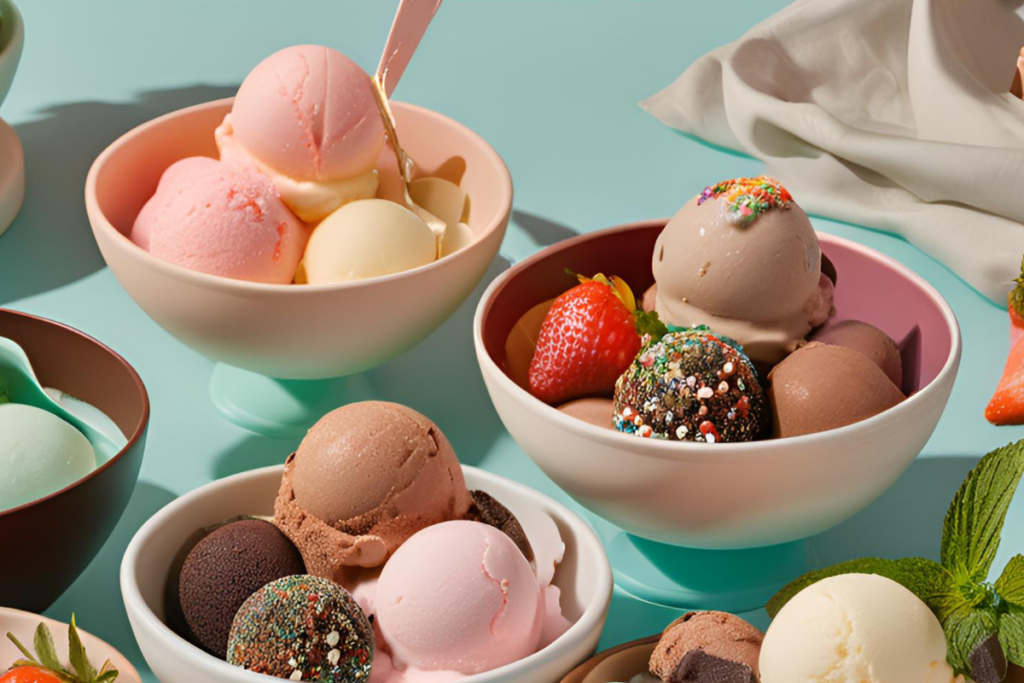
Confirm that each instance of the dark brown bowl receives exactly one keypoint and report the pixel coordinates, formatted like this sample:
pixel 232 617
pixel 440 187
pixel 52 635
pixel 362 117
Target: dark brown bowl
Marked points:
pixel 62 532
pixel 617 664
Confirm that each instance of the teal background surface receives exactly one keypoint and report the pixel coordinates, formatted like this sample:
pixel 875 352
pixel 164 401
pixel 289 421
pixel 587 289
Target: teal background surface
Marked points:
pixel 554 88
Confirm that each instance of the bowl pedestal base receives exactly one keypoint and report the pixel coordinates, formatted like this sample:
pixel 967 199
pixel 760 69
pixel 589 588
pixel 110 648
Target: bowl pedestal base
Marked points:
pixel 689 578
pixel 12 175
pixel 279 408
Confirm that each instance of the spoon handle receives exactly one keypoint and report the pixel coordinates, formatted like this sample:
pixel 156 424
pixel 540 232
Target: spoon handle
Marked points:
pixel 411 22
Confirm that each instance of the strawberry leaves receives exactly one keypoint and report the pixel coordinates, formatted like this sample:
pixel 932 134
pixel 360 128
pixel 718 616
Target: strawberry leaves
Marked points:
pixel 81 669
pixel 1017 295
pixel 970 610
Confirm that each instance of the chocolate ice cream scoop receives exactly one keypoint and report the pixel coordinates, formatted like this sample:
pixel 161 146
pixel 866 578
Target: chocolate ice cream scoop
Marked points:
pixel 367 477
pixel 224 569
pixel 743 259
pixel 486 510
pixel 822 387
pixel 869 340
pixel 708 647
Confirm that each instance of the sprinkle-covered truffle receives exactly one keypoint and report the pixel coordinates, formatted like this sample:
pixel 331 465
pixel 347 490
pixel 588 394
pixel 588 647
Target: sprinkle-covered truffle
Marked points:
pixel 692 385
pixel 303 628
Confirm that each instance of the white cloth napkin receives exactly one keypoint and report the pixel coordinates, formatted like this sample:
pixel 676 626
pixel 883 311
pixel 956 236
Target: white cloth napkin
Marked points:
pixel 893 114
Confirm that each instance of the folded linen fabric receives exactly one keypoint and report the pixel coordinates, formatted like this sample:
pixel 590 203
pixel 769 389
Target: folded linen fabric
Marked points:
pixel 893 114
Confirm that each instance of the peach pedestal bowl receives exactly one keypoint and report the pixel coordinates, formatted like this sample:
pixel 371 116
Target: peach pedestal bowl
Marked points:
pixel 665 507
pixel 290 332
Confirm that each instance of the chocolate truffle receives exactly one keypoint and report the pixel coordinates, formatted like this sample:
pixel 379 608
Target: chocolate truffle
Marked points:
pixel 486 510
pixel 224 569
pixel 821 387
pixel 691 385
pixel 596 411
pixel 303 628
pixel 365 478
pixel 708 647
pixel 869 340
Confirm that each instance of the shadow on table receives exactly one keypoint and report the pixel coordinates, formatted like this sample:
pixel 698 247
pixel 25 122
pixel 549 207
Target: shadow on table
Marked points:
pixel 50 244
pixel 906 521
pixel 439 377
pixel 544 232
pixel 95 598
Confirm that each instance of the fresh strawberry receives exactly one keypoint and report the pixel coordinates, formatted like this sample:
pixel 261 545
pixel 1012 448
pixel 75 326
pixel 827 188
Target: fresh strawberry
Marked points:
pixel 30 674
pixel 1017 308
pixel 1007 406
pixel 589 337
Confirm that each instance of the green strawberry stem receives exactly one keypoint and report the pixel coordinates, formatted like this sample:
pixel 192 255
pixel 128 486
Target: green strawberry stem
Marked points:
pixel 46 657
pixel 1017 295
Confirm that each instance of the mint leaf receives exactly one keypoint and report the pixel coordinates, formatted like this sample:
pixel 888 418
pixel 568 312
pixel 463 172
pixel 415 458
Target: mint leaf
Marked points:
pixel 650 323
pixel 76 653
pixel 926 579
pixel 1011 635
pixel 45 649
pixel 974 522
pixel 966 628
pixel 1010 585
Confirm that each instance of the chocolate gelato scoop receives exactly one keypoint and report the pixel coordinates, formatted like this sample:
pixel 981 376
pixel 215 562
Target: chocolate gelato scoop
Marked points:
pixel 822 387
pixel 367 477
pixel 487 510
pixel 224 569
pixel 708 647
pixel 869 340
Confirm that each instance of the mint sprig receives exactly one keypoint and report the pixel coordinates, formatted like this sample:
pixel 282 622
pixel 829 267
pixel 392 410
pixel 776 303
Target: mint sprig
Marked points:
pixel 970 610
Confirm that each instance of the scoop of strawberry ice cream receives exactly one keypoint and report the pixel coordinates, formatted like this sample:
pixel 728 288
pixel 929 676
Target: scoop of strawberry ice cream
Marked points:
pixel 307 117
pixel 220 220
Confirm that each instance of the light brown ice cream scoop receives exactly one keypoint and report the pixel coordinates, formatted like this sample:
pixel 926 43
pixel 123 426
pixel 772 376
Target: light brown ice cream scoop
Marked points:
pixel 726 647
pixel 365 478
pixel 869 340
pixel 822 387
pixel 758 282
pixel 599 412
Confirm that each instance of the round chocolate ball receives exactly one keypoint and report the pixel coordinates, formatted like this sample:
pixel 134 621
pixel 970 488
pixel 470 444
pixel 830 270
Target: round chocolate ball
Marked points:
pixel 879 347
pixel 303 628
pixel 692 385
pixel 224 569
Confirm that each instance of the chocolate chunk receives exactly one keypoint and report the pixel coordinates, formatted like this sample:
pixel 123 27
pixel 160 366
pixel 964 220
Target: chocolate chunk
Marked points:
pixel 988 661
pixel 487 510
pixel 698 666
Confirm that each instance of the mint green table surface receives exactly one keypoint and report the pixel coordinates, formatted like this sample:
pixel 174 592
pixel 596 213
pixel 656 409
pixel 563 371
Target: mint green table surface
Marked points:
pixel 554 88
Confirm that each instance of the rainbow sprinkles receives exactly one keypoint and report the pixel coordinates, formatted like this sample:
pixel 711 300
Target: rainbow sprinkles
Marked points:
pixel 748 198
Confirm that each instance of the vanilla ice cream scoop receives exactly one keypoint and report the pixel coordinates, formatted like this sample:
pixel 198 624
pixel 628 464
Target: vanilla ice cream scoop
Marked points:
pixel 855 628
pixel 743 259
pixel 367 238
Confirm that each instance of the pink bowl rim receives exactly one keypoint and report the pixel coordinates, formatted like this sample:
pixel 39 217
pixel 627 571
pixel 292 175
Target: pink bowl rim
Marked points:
pixel 699 452
pixel 100 223
pixel 132 441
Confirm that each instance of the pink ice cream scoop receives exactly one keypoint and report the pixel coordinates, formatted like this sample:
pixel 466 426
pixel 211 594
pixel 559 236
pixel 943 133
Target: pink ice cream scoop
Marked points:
pixel 220 220
pixel 459 597
pixel 309 112
pixel 307 116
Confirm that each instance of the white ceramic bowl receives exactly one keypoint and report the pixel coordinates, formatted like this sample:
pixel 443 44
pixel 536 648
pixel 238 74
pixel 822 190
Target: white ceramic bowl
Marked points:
pixel 584 577
pixel 23 625
pixel 737 495
pixel 290 331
